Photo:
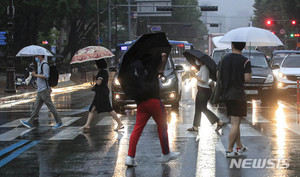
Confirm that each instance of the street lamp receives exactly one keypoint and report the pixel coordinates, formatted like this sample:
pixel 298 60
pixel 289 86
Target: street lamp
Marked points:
pixel 10 71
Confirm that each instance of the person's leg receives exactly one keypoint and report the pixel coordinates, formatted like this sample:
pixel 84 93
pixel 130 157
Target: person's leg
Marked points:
pixel 36 108
pixel 234 131
pixel 209 114
pixel 47 99
pixel 115 116
pixel 158 111
pixel 142 118
pixel 89 119
pixel 238 139
pixel 197 116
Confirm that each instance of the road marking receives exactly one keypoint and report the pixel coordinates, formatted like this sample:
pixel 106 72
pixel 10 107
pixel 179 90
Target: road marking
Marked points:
pixel 69 120
pixel 68 133
pixel 107 120
pixel 206 158
pixel 14 133
pixel 12 147
pixel 248 130
pixel 17 153
pixel 14 123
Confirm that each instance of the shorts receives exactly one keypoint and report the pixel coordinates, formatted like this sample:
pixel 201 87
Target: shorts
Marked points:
pixel 236 108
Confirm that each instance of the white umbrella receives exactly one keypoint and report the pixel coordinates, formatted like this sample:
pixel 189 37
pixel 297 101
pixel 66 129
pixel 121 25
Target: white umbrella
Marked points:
pixel 33 50
pixel 252 36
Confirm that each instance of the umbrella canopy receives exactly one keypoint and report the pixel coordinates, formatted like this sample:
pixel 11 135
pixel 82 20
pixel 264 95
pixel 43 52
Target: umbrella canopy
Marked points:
pixel 153 44
pixel 252 36
pixel 193 55
pixel 33 50
pixel 91 53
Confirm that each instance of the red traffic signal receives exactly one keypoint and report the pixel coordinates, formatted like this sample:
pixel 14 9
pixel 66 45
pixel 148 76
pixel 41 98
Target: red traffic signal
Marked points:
pixel 293 22
pixel 269 22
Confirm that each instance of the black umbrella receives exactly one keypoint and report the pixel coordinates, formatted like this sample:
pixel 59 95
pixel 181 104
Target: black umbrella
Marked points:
pixel 145 50
pixel 152 44
pixel 192 55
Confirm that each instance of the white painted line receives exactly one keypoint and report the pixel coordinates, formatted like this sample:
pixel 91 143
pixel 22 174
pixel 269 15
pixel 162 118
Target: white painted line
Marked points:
pixel 181 131
pixel 14 133
pixel 247 130
pixel 107 120
pixel 67 121
pixel 14 123
pixel 254 119
pixel 69 133
pixel 294 127
pixel 206 158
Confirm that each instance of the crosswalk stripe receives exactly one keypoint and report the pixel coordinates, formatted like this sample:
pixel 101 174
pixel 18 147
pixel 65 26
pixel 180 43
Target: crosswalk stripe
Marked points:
pixel 68 133
pixel 69 120
pixel 14 123
pixel 14 133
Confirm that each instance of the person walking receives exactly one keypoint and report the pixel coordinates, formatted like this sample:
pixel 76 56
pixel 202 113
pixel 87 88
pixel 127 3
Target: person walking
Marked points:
pixel 235 71
pixel 148 106
pixel 203 95
pixel 43 94
pixel 101 101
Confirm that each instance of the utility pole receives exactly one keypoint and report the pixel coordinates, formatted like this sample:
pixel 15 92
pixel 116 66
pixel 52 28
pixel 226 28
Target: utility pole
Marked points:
pixel 129 20
pixel 98 23
pixel 109 24
pixel 10 71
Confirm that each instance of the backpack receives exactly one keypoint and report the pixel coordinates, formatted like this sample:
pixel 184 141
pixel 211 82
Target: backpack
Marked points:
pixel 53 75
pixel 134 81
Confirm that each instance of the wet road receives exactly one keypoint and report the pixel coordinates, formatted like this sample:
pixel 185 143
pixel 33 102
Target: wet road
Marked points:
pixel 272 135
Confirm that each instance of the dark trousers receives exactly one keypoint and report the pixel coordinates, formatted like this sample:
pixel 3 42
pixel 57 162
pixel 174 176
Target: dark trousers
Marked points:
pixel 202 98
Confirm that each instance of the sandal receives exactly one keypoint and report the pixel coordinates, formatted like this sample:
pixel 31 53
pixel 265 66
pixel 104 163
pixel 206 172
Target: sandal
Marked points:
pixel 85 129
pixel 119 128
pixel 192 129
pixel 219 126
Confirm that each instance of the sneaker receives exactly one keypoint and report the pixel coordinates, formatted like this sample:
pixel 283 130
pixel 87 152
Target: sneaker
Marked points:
pixel 242 149
pixel 171 156
pixel 130 162
pixel 57 126
pixel 232 154
pixel 26 124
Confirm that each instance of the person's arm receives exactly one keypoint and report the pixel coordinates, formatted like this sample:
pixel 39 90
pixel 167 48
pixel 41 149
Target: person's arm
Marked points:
pixel 45 74
pixel 99 80
pixel 197 77
pixel 164 59
pixel 248 71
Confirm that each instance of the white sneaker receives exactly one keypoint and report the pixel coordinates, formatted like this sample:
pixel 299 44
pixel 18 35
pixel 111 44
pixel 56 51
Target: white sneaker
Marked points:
pixel 232 154
pixel 130 162
pixel 242 149
pixel 171 156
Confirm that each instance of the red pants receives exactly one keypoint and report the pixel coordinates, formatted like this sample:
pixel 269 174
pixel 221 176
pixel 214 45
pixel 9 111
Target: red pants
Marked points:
pixel 146 109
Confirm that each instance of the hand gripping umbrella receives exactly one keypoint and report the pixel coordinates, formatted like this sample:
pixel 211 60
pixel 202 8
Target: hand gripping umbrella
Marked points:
pixel 193 55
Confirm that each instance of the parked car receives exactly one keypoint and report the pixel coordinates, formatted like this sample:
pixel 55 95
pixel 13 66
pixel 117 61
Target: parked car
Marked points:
pixel 262 85
pixel 279 55
pixel 170 92
pixel 287 73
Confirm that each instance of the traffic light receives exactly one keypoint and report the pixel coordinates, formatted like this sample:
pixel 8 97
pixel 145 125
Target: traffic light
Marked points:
pixel 164 8
pixel 293 22
pixel 269 22
pixel 292 35
pixel 209 8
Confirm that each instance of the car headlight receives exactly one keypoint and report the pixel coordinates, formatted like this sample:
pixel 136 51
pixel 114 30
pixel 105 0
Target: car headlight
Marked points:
pixel 116 81
pixel 168 81
pixel 269 79
pixel 281 75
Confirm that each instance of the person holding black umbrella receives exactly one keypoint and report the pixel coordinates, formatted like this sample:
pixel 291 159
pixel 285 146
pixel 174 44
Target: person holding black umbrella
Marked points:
pixel 140 73
pixel 202 98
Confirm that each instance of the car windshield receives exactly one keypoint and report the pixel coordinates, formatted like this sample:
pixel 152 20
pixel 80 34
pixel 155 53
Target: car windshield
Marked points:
pixel 291 62
pixel 277 61
pixel 168 65
pixel 280 55
pixel 217 56
pixel 257 60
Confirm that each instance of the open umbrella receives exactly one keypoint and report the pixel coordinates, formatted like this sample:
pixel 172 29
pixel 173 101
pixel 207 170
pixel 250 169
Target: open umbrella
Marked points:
pixel 33 50
pixel 149 44
pixel 252 36
pixel 193 55
pixel 91 53
pixel 145 51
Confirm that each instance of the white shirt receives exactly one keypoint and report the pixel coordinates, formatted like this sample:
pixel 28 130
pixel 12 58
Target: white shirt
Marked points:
pixel 204 76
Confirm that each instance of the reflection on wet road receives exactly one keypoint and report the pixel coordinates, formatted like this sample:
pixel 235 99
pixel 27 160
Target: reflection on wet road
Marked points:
pixel 269 133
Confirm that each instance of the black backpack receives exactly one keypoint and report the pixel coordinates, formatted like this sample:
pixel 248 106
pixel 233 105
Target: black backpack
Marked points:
pixel 53 75
pixel 134 81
